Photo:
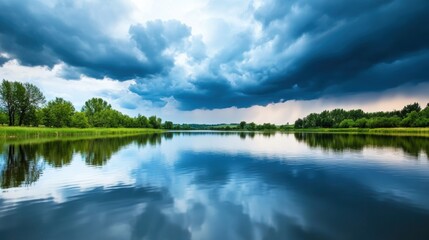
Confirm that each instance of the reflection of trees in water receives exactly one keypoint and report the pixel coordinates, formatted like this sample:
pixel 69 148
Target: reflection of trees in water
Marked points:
pixel 241 134
pixel 56 154
pixel 339 142
pixel 21 166
pixel 98 151
pixel 23 163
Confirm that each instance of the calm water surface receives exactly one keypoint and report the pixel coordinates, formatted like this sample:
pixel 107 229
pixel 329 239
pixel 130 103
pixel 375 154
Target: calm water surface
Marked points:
pixel 217 186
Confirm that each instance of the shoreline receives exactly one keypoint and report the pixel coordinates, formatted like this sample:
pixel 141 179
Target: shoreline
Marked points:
pixel 418 132
pixel 10 133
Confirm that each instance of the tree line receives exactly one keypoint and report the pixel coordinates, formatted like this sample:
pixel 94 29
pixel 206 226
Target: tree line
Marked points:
pixel 23 104
pixel 242 126
pixel 411 115
pixel 248 127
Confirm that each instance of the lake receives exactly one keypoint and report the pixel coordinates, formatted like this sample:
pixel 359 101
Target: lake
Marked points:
pixel 214 185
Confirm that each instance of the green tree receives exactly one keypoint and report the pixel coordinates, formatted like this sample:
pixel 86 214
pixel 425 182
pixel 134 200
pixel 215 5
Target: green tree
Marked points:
pixel 361 122
pixel 356 114
pixel 325 120
pixel 155 122
pixel 8 101
pixel 107 118
pixel 424 112
pixel 79 120
pixel 266 126
pixel 421 122
pixel 243 125
pixel 58 113
pixel 31 118
pixel 3 118
pixel 29 98
pixel 251 126
pixel 168 125
pixel 142 121
pixel 128 121
pixel 410 119
pixel 39 117
pixel 410 108
pixel 94 106
pixel 20 100
pixel 384 122
pixel 347 123
pixel 299 123
pixel 338 115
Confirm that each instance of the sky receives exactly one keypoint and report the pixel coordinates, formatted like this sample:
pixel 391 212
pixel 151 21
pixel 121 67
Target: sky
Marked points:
pixel 207 61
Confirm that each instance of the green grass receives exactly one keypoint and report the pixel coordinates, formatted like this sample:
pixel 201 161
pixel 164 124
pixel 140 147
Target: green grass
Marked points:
pixel 44 132
pixel 374 131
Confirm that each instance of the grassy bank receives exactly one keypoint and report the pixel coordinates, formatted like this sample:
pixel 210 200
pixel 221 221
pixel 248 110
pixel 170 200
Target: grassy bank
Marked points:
pixel 374 131
pixel 42 132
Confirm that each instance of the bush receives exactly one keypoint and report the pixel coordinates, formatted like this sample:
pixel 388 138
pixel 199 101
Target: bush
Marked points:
pixel 384 122
pixel 79 120
pixel 421 122
pixel 410 119
pixel 347 123
pixel 168 125
pixel 361 123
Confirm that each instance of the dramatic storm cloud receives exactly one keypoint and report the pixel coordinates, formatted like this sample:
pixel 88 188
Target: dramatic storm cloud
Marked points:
pixel 223 54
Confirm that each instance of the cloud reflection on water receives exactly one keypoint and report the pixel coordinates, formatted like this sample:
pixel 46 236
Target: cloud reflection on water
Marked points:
pixel 212 186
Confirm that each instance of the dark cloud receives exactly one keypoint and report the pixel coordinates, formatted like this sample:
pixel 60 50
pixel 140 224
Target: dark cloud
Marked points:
pixel 305 50
pixel 38 34
pixel 340 48
pixel 154 38
pixel 3 60
pixel 306 10
pixel 361 44
pixel 372 38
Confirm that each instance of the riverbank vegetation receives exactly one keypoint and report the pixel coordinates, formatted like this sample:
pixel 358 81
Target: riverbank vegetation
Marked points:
pixel 11 133
pixel 409 131
pixel 411 115
pixel 23 104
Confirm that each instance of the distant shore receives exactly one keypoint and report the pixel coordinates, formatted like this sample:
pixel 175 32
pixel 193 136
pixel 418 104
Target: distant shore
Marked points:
pixel 375 131
pixel 422 132
pixel 7 132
